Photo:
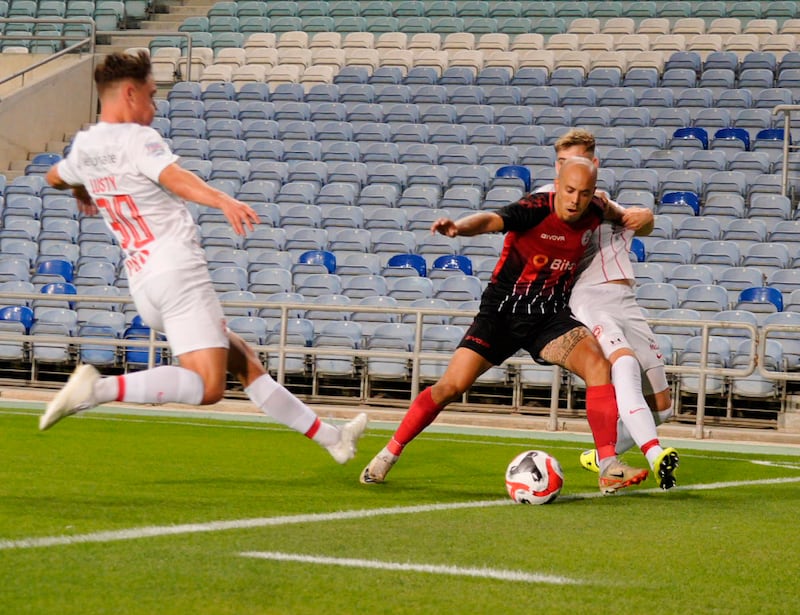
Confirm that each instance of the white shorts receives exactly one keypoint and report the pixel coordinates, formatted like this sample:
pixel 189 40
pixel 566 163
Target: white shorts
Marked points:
pixel 183 304
pixel 610 311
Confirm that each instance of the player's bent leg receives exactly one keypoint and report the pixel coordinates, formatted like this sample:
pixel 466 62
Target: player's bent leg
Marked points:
pixel 210 365
pixel 578 352
pixel 243 362
pixel 463 369
pixel 276 401
pixel 586 359
pixel 634 412
pixel 558 352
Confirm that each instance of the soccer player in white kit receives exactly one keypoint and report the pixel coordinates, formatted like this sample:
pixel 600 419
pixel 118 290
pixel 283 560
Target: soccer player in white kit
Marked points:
pixel 603 298
pixel 123 169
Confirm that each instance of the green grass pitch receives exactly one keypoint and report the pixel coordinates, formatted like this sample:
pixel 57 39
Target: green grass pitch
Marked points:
pixel 138 514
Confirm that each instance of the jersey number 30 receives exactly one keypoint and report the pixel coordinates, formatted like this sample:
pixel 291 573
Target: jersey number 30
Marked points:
pixel 127 221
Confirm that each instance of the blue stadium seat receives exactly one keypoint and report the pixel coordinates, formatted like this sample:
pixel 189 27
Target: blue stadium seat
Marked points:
pixel 760 300
pixel 449 263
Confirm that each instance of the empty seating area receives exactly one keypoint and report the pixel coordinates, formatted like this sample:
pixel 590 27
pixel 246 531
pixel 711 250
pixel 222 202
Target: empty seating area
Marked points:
pixel 351 126
pixel 107 15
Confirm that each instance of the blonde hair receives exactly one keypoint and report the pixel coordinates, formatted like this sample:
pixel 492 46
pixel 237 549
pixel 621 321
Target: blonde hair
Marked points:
pixel 576 136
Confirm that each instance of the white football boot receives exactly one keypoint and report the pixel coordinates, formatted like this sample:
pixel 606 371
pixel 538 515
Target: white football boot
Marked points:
pixel 76 395
pixel 345 449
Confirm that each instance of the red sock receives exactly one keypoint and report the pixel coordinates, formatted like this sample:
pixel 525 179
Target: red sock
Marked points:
pixel 601 411
pixel 422 412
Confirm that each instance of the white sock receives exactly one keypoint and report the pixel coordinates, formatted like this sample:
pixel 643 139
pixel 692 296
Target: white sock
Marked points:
pixel 624 440
pixel 160 385
pixel 663 415
pixel 275 401
pixel 634 413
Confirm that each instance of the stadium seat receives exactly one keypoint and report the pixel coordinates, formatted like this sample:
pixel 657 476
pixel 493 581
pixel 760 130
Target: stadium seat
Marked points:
pixel 705 298
pixel 762 299
pixel 718 356
pixel 657 296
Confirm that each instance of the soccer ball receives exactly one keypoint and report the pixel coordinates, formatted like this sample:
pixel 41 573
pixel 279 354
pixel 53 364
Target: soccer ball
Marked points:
pixel 534 477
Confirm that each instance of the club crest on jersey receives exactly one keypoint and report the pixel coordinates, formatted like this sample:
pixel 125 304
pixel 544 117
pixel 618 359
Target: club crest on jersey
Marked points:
pixel 586 238
pixel 155 148
pixel 597 331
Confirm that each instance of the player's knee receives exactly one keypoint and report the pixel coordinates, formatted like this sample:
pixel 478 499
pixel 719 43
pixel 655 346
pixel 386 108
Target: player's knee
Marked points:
pixel 665 406
pixel 448 391
pixel 619 354
pixel 597 373
pixel 213 393
pixel 663 403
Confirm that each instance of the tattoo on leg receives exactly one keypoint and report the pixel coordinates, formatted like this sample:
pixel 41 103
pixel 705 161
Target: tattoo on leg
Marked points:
pixel 559 349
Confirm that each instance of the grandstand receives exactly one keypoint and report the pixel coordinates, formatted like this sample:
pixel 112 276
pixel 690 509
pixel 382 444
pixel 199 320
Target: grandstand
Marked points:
pixel 350 126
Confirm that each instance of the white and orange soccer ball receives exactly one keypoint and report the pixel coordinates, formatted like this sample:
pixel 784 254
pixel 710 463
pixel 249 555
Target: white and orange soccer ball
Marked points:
pixel 534 477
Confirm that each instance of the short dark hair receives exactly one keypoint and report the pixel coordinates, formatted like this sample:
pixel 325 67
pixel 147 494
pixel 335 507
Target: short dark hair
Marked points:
pixel 119 66
pixel 576 136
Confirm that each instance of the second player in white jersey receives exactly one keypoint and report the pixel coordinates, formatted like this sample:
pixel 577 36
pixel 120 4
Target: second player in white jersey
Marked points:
pixel 604 299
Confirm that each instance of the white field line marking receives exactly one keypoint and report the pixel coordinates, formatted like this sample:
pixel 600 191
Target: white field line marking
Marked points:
pixel 483 573
pixel 236 524
pixel 773 464
pixel 240 524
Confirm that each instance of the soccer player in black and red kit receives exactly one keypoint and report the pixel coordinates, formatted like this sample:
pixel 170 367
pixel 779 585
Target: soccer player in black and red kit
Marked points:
pixel 526 306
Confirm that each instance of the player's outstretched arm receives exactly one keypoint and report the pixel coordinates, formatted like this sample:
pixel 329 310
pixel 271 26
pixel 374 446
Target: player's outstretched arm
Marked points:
pixel 85 204
pixel 189 187
pixel 474 224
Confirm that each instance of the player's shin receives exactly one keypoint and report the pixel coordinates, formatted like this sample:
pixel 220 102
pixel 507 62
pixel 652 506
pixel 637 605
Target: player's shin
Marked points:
pixel 422 412
pixel 601 412
pixel 634 412
pixel 274 400
pixel 160 385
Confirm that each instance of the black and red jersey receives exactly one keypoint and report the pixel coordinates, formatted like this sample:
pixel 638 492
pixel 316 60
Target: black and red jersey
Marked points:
pixel 539 262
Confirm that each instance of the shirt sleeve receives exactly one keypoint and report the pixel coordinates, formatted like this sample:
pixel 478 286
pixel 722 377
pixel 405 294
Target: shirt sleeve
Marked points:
pixel 67 169
pixel 150 153
pixel 526 213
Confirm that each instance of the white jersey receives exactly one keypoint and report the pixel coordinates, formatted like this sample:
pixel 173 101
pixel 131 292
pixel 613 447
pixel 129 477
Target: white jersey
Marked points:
pixel 119 164
pixel 607 258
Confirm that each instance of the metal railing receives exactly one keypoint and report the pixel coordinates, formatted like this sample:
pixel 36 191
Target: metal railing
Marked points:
pixel 703 370
pixel 82 41
pixel 158 34
pixel 788 146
